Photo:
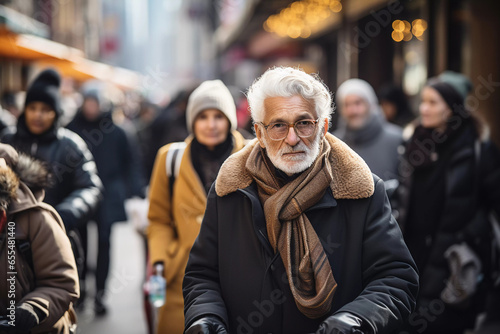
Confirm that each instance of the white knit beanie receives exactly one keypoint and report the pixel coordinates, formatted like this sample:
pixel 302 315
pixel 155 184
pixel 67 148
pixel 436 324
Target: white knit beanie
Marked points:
pixel 212 94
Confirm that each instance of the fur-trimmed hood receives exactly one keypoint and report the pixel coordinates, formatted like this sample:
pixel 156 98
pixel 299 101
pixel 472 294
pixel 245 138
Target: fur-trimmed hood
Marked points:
pixel 352 178
pixel 23 181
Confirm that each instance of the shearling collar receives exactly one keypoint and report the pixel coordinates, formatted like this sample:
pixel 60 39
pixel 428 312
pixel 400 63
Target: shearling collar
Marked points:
pixel 352 179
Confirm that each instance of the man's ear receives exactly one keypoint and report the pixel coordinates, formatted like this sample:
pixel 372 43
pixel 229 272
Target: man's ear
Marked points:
pixel 258 133
pixel 325 127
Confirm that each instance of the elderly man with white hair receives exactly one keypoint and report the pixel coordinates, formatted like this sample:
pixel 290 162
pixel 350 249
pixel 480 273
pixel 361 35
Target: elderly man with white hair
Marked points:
pixel 297 235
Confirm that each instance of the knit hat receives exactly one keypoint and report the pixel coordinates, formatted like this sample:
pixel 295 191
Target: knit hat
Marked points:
pixel 211 94
pixel 458 81
pixel 45 88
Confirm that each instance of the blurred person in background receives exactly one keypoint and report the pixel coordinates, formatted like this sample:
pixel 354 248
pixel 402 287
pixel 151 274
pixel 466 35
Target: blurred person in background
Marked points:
pixel 449 179
pixel 9 103
pixel 169 126
pixel 46 279
pixel 395 106
pixel 119 171
pixel 363 127
pixel 76 188
pixel 176 211
pixel 8 111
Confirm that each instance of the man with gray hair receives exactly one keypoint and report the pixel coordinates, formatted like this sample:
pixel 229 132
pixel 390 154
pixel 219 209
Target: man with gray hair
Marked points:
pixel 297 235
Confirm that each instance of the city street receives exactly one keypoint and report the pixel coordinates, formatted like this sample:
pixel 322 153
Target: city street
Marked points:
pixel 124 286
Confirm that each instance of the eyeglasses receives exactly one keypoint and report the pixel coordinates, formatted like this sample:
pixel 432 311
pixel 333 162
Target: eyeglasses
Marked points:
pixel 304 128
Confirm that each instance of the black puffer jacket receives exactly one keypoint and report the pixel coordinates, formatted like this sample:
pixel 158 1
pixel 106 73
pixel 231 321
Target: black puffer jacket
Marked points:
pixel 76 189
pixel 118 164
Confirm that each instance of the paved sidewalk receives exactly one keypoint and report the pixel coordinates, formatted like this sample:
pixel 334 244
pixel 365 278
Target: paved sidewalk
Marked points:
pixel 124 286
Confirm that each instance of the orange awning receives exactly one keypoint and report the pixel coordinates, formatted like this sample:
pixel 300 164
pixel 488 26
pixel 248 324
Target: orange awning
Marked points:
pixel 69 61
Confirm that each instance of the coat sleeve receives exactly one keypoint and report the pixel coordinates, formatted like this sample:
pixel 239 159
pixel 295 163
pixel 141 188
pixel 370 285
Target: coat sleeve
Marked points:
pixel 160 231
pixel 82 202
pixel 201 286
pixel 54 267
pixel 390 278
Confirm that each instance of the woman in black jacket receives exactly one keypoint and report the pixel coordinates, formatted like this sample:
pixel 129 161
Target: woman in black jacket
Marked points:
pixel 76 188
pixel 448 179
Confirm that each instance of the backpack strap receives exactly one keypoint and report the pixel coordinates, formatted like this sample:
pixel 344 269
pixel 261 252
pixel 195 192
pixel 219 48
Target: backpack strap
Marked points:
pixel 173 163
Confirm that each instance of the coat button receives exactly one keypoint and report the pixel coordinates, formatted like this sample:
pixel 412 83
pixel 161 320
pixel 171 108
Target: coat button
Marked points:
pixel 273 267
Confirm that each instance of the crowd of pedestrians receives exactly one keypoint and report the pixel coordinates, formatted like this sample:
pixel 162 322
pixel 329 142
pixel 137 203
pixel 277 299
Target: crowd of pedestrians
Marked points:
pixel 293 231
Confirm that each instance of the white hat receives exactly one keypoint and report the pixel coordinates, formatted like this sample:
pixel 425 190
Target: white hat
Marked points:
pixel 212 94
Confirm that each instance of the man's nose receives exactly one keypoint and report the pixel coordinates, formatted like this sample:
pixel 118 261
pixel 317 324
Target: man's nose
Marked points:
pixel 291 138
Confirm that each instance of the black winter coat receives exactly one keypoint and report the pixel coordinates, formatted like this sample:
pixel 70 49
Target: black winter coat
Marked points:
pixel 472 187
pixel 234 274
pixel 118 168
pixel 76 190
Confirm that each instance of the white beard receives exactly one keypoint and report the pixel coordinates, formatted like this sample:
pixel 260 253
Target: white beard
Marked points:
pixel 294 164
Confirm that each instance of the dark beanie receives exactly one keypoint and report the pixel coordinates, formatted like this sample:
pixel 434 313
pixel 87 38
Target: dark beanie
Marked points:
pixel 450 95
pixel 45 88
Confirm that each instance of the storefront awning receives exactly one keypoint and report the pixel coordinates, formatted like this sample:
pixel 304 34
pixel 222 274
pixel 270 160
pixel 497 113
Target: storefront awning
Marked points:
pixel 67 60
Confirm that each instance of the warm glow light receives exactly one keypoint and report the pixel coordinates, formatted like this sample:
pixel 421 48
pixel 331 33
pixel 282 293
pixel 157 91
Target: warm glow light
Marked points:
pixel 300 17
pixel 407 25
pixel 407 36
pixel 335 6
pixel 398 25
pixel 397 36
pixel 404 31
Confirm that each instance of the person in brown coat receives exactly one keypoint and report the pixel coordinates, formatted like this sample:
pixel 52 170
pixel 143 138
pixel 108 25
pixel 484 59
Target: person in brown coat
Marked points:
pixel 36 259
pixel 177 208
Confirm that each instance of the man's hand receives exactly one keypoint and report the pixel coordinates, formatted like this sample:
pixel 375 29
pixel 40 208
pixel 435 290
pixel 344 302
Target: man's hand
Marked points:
pixel 342 323
pixel 207 325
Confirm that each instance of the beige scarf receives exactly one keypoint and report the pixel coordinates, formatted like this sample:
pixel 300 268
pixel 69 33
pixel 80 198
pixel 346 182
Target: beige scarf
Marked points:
pixel 290 232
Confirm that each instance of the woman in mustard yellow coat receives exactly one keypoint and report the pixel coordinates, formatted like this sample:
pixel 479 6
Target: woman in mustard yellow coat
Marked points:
pixel 176 212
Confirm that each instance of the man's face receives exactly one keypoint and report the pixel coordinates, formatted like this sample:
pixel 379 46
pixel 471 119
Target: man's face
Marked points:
pixel 292 154
pixel 355 111
pixel 91 109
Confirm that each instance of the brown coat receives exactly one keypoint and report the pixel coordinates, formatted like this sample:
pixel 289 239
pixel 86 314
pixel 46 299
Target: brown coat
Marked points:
pixel 52 285
pixel 171 242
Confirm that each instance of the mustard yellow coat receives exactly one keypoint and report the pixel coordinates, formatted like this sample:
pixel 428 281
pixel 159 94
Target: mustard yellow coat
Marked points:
pixel 174 225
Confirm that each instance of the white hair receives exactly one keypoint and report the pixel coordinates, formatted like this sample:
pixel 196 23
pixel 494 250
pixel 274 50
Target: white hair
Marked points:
pixel 287 82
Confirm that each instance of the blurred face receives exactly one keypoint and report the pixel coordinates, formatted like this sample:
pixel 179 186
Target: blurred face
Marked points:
pixel 355 111
pixel 434 112
pixel 39 117
pixel 292 154
pixel 90 109
pixel 211 128
pixel 389 109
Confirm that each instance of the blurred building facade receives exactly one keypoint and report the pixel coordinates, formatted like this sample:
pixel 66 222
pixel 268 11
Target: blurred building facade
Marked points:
pixel 170 42
pixel 402 42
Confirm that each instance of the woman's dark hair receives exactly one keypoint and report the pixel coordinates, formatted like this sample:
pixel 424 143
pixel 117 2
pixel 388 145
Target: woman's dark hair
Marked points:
pixel 394 94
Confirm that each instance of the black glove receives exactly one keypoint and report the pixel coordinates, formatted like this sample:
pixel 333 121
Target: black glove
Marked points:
pixel 342 323
pixel 207 325
pixel 26 318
